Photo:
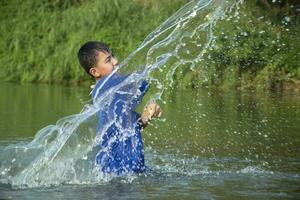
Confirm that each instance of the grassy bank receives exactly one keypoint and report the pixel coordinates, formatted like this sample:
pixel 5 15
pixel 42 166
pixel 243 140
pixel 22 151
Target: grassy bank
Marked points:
pixel 257 49
pixel 39 40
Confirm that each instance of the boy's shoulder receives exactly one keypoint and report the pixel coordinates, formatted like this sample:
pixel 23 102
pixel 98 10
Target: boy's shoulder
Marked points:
pixel 107 82
pixel 110 81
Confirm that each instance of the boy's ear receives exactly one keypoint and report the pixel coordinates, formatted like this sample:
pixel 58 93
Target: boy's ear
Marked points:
pixel 94 72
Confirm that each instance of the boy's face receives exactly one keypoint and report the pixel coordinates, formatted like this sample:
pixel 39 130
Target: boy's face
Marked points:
pixel 105 65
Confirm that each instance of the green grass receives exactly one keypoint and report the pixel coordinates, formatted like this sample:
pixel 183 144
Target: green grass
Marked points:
pixel 257 49
pixel 39 40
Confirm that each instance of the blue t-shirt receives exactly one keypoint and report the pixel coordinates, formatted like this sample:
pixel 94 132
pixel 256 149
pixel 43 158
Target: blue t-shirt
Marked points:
pixel 120 144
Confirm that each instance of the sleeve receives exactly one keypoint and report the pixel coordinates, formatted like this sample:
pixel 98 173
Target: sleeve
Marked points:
pixel 127 99
pixel 139 94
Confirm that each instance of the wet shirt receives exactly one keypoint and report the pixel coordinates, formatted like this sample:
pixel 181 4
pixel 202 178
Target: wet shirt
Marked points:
pixel 119 131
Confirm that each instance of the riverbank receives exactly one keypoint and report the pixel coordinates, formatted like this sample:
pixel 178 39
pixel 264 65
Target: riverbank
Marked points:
pixel 40 39
pixel 258 48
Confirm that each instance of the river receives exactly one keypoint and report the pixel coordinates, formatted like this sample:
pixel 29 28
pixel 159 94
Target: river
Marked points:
pixel 208 144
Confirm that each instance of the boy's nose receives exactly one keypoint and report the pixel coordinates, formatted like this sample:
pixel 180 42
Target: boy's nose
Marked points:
pixel 115 61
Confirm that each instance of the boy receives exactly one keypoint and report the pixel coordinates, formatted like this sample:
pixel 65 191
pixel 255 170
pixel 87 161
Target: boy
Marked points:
pixel 119 129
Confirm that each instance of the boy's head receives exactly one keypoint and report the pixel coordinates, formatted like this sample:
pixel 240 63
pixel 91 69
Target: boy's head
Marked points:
pixel 97 59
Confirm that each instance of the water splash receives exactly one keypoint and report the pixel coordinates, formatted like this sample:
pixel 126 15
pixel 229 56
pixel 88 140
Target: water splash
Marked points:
pixel 65 152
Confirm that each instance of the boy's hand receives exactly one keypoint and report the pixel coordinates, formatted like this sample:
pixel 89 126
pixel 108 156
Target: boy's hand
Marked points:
pixel 151 110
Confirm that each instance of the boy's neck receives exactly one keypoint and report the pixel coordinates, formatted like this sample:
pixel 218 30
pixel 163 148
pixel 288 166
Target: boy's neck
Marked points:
pixel 98 78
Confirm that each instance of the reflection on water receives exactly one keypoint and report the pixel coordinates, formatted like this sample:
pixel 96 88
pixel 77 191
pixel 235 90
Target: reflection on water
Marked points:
pixel 210 145
pixel 26 109
pixel 245 125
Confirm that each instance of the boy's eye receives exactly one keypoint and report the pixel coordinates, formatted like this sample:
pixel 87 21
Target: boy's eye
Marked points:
pixel 108 59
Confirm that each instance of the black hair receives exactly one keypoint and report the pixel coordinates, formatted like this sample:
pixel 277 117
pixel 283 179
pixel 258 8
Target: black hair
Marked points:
pixel 87 54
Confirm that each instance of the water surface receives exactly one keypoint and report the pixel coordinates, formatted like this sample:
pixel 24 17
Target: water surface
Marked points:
pixel 209 145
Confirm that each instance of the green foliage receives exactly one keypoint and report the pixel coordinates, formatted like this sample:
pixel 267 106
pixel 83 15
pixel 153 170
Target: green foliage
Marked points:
pixel 254 49
pixel 40 39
